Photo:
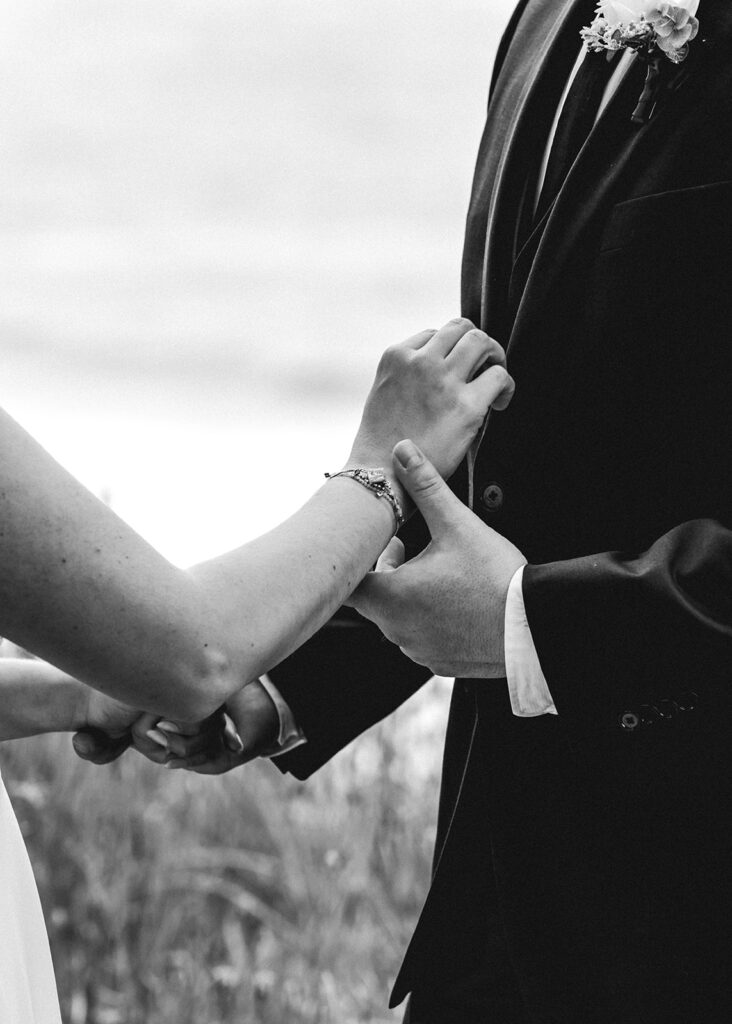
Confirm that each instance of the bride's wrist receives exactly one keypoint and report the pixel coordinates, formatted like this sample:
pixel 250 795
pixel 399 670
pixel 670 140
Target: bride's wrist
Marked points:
pixel 79 697
pixel 377 460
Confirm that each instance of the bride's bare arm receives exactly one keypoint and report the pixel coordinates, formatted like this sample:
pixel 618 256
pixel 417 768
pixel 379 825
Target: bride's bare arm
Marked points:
pixel 82 590
pixel 36 697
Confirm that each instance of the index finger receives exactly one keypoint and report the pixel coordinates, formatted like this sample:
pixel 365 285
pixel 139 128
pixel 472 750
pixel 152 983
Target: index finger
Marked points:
pixel 210 764
pixel 493 388
pixel 209 740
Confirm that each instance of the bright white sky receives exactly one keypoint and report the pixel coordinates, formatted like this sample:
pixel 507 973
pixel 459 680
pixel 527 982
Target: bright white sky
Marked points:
pixel 214 217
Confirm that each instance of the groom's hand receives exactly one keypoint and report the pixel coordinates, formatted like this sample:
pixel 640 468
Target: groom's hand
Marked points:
pixel 107 730
pixel 445 608
pixel 249 729
pixel 211 748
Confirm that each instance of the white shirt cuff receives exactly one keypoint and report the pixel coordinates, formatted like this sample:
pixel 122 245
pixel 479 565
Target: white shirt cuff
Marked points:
pixel 527 685
pixel 290 734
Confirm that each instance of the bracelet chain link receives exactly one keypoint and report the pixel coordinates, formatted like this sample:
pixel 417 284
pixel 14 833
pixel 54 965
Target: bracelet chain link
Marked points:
pixel 374 479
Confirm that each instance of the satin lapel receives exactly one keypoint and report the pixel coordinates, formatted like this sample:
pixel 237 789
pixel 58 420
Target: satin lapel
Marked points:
pixel 609 152
pixel 552 32
pixel 511 126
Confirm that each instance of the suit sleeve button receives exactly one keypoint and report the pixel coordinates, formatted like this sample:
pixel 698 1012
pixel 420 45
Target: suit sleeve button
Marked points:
pixel 629 720
pixel 687 701
pixel 667 708
pixel 648 714
pixel 493 497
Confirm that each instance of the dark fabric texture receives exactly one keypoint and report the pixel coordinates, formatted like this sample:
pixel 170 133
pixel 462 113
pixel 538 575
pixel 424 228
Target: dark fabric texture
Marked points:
pixel 577 118
pixel 582 868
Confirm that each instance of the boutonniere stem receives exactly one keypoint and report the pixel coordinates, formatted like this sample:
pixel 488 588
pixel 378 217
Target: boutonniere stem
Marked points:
pixel 657 31
pixel 647 99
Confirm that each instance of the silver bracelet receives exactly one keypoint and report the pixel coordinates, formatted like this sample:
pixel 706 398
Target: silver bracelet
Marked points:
pixel 374 480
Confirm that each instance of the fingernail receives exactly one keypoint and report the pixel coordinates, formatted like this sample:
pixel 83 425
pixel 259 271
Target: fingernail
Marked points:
pixel 235 743
pixel 408 454
pixel 169 727
pixel 83 744
pixel 157 737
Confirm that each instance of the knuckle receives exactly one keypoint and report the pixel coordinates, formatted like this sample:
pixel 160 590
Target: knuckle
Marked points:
pixel 388 634
pixel 462 321
pixel 428 486
pixel 470 405
pixel 390 354
pixel 421 363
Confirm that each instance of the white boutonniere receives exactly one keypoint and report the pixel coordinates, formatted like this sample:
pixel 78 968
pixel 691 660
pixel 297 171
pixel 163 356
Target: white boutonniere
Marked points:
pixel 657 31
pixel 651 28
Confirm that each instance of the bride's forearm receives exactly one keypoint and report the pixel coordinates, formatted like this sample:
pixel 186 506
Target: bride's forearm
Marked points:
pixel 36 697
pixel 82 590
pixel 275 592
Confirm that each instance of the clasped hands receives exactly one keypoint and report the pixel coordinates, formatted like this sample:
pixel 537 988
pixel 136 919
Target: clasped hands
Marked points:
pixel 444 609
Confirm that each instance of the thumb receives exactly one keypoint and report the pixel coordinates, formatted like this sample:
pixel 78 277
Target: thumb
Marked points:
pixel 428 490
pixel 96 746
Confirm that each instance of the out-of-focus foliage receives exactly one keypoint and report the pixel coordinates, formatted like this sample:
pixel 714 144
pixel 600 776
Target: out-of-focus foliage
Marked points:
pixel 249 898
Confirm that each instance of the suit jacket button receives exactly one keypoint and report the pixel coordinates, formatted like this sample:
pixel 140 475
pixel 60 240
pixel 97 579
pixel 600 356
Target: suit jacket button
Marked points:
pixel 629 720
pixel 493 497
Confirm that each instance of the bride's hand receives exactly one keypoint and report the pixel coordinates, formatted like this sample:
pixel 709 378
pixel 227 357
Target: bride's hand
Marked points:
pixel 106 732
pixel 224 741
pixel 426 389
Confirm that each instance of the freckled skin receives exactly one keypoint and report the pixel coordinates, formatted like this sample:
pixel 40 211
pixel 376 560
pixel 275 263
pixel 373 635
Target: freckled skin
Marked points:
pixel 179 643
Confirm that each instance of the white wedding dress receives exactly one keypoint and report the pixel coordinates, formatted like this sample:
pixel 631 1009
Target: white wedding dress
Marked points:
pixel 27 985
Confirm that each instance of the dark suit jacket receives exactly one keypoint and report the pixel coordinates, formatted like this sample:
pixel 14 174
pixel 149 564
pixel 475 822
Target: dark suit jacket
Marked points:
pixel 588 854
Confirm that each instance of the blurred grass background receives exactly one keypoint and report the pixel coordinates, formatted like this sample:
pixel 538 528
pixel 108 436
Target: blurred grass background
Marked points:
pixel 252 898
pixel 214 217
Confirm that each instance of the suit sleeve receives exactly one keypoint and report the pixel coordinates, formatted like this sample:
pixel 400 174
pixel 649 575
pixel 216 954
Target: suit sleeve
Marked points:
pixel 338 684
pixel 619 633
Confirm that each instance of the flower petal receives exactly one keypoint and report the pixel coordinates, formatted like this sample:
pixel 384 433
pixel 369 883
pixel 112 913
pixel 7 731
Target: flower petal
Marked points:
pixel 681 17
pixel 664 29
